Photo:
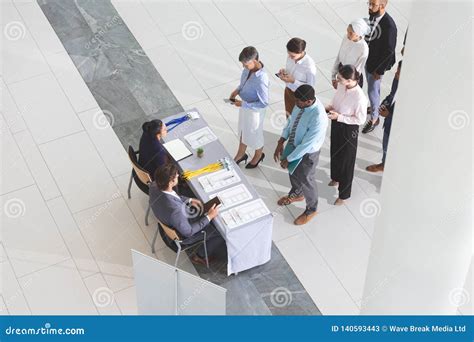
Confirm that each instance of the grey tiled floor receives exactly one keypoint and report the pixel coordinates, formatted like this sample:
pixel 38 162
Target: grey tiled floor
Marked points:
pixel 118 73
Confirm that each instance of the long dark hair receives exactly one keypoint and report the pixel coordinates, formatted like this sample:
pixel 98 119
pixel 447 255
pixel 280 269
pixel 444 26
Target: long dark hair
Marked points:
pixel 152 128
pixel 349 72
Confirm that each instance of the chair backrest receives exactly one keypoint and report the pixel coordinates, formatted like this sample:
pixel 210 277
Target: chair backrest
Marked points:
pixel 142 175
pixel 171 233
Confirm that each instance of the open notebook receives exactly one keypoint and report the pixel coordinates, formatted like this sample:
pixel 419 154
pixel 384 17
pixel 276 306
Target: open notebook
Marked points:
pixel 177 149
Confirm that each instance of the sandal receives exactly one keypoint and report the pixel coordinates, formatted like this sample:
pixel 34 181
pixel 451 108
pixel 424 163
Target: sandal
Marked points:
pixel 287 200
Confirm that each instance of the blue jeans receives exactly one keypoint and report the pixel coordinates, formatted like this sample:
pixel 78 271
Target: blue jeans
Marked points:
pixel 373 86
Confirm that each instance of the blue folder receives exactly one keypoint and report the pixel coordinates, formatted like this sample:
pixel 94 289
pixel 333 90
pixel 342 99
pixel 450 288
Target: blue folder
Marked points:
pixel 291 165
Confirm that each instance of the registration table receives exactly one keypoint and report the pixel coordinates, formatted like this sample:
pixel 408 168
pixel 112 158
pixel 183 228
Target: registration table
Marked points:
pixel 248 237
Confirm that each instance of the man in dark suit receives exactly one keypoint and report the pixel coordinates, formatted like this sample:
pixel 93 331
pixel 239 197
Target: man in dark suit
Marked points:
pixel 182 213
pixel 382 42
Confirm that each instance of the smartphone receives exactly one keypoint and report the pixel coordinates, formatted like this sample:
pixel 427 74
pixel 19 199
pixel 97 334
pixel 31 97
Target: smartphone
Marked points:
pixel 229 100
pixel 277 75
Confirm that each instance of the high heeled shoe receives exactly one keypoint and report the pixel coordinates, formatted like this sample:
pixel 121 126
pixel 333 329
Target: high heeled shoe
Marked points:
pixel 243 159
pixel 252 166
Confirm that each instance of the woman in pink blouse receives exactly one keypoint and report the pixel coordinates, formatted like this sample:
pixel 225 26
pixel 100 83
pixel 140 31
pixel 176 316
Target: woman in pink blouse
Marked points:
pixel 347 110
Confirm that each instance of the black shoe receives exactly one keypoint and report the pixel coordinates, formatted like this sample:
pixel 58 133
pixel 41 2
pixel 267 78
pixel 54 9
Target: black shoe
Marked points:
pixel 243 159
pixel 369 126
pixel 251 166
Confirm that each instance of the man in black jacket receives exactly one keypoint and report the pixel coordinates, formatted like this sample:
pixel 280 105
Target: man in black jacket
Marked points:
pixel 382 42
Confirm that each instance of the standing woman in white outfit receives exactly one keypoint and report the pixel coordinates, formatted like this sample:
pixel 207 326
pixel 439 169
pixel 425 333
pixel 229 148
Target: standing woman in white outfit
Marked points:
pixel 300 69
pixel 353 51
pixel 253 90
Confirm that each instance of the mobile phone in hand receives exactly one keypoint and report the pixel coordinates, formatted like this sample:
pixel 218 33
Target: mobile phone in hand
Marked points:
pixel 229 100
pixel 208 205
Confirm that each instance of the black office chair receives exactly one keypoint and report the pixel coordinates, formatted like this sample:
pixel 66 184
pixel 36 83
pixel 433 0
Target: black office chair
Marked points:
pixel 140 176
pixel 173 240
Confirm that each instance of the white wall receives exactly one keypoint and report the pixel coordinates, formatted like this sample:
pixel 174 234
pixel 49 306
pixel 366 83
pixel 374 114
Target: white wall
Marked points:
pixel 422 244
pixel 163 289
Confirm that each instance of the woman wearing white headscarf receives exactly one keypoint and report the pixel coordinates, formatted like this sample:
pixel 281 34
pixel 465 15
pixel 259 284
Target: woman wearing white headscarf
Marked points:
pixel 354 50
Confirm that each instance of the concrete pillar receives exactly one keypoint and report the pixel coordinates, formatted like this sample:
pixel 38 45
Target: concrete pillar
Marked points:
pixel 422 243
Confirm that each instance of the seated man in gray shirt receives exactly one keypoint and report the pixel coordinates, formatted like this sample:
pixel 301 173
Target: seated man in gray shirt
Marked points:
pixel 182 213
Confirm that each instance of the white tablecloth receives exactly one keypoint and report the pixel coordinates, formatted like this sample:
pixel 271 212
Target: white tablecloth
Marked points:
pixel 248 245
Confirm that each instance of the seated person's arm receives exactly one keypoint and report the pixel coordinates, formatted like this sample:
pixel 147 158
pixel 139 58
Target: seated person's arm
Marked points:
pixel 180 222
pixel 185 199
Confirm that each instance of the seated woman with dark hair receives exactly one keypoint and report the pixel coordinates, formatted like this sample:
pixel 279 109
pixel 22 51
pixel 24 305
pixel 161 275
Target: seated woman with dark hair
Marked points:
pixel 153 154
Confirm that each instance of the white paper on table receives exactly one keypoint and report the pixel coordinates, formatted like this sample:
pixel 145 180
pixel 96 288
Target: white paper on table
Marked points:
pixel 244 213
pixel 177 149
pixel 193 115
pixel 218 180
pixel 233 196
pixel 200 137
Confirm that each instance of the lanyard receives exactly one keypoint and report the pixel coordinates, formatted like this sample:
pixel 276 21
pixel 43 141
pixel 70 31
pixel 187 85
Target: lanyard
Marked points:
pixel 220 164
pixel 176 122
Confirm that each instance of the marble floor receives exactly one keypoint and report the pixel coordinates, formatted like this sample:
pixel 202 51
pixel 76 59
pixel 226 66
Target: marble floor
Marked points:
pixel 67 225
